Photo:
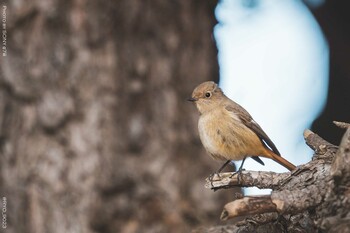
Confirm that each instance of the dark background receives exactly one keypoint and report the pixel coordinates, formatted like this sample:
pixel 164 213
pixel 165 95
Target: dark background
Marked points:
pixel 334 20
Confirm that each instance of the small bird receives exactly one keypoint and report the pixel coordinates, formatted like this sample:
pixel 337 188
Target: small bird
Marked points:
pixel 227 130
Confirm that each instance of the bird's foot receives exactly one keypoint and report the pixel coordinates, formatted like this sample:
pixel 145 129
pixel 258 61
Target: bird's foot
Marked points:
pixel 239 175
pixel 211 176
pixel 211 179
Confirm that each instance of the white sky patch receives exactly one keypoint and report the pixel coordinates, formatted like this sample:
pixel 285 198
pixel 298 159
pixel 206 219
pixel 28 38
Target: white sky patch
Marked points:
pixel 274 61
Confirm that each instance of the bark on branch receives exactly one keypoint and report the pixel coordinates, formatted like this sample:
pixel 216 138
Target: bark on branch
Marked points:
pixel 259 179
pixel 308 195
pixel 248 206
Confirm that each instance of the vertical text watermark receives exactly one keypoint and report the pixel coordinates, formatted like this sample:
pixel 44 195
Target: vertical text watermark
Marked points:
pixel 3 212
pixel 4 31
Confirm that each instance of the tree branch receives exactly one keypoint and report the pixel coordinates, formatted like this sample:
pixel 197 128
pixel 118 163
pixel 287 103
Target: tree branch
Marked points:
pixel 260 179
pixel 337 198
pixel 293 192
pixel 340 167
pixel 247 206
pixel 313 196
pixel 342 125
pixel 319 145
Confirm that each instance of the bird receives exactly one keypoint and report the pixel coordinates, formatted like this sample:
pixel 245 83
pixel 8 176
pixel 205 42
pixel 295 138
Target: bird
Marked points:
pixel 228 132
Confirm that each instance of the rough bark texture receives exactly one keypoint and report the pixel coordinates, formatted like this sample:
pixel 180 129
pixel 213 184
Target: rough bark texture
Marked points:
pixel 313 198
pixel 96 134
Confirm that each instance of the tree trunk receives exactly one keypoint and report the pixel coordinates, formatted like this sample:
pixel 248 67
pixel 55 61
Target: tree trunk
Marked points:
pixel 95 131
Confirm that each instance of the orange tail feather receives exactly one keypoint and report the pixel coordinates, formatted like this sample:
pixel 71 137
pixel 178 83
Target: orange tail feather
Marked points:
pixel 269 154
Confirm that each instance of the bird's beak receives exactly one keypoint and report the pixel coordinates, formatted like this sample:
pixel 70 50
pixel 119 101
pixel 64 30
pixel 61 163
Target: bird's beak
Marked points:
pixel 192 99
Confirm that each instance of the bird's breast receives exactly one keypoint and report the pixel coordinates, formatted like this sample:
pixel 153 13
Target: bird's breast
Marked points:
pixel 225 137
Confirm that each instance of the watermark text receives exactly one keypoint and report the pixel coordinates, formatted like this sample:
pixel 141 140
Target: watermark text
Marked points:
pixel 3 213
pixel 4 31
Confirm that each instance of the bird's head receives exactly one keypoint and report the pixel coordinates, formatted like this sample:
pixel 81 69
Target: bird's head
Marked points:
pixel 207 96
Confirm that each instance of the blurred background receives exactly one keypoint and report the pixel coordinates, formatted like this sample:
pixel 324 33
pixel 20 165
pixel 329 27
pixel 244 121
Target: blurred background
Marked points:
pixel 96 134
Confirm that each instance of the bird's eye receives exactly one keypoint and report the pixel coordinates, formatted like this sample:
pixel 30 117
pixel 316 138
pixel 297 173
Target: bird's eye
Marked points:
pixel 208 94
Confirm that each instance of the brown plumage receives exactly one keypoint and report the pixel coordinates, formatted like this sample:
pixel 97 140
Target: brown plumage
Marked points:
pixel 227 130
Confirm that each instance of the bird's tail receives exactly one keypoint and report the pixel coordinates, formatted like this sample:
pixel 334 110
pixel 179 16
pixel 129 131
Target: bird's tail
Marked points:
pixel 277 158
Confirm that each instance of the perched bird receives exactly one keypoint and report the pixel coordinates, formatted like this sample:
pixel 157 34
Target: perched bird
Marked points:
pixel 227 130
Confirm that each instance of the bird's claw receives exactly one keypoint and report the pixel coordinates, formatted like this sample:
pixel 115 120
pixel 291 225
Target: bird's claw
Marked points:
pixel 239 175
pixel 211 176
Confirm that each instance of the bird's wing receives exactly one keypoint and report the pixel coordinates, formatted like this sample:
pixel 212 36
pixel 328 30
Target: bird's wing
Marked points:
pixel 248 121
